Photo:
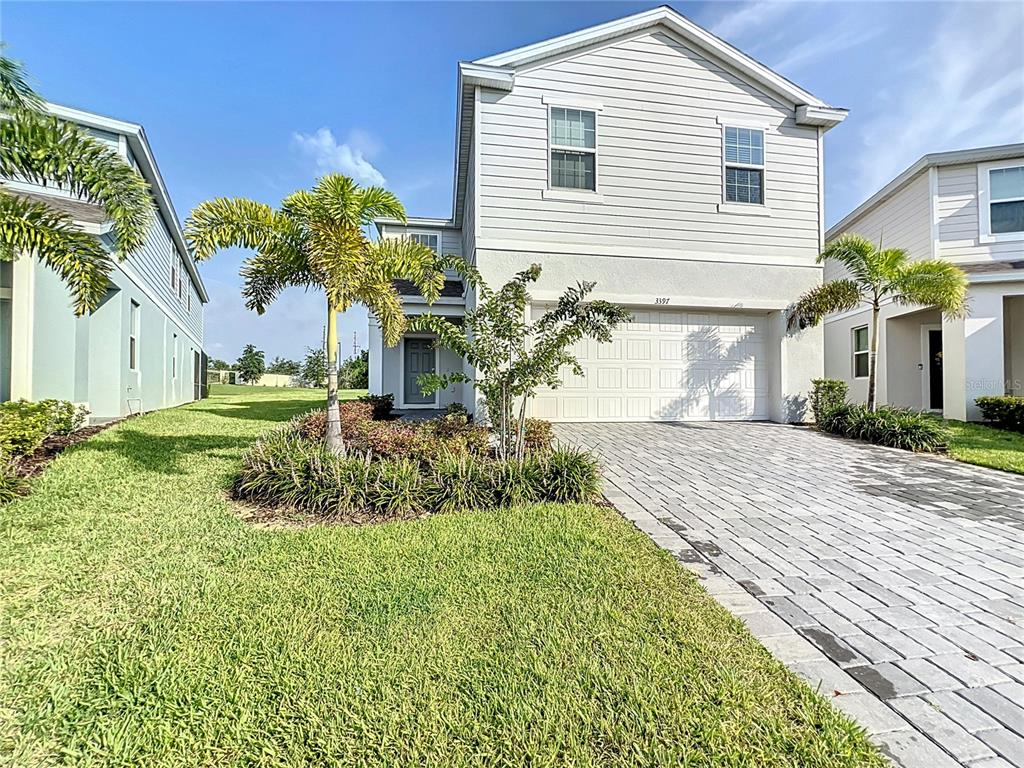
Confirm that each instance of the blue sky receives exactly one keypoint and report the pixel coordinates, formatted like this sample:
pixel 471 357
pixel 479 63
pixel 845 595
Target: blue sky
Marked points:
pixel 257 99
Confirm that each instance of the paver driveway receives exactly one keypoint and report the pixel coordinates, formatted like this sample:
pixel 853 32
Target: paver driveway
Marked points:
pixel 906 571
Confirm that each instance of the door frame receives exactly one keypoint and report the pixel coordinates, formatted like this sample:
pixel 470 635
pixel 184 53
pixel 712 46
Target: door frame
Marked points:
pixel 926 373
pixel 401 372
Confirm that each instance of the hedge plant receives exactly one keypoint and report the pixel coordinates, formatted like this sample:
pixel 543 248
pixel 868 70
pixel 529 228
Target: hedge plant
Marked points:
pixel 1005 412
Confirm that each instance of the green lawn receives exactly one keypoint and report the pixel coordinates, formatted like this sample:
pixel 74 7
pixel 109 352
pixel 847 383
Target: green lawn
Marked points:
pixel 986 446
pixel 143 624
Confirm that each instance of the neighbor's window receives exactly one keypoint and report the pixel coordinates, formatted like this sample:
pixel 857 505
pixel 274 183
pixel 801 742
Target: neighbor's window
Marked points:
pixel 430 239
pixel 744 165
pixel 573 138
pixel 1006 199
pixel 133 335
pixel 860 352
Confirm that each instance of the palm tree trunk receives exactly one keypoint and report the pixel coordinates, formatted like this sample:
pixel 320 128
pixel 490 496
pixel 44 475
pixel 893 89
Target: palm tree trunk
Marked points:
pixel 334 440
pixel 873 356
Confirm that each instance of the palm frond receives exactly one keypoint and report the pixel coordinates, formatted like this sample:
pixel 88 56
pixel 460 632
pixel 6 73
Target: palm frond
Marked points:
pixel 236 222
pixel 396 258
pixel 932 283
pixel 51 236
pixel 386 305
pixel 46 150
pixel 833 296
pixel 15 92
pixel 378 203
pixel 266 274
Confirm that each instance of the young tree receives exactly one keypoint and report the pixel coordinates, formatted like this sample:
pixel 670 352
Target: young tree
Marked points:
pixel 314 368
pixel 283 367
pixel 355 372
pixel 43 149
pixel 216 364
pixel 873 277
pixel 251 365
pixel 513 356
pixel 316 240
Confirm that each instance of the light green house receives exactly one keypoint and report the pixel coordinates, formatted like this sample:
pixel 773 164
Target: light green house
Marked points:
pixel 142 348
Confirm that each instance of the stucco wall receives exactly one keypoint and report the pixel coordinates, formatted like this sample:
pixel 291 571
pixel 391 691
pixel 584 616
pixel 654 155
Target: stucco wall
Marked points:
pixel 391 374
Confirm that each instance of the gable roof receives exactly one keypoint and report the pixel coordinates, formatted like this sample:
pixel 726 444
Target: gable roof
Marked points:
pixel 498 72
pixel 933 160
pixel 135 135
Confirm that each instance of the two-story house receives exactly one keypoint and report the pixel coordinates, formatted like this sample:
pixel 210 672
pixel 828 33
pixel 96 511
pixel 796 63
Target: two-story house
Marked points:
pixel 967 207
pixel 681 175
pixel 141 349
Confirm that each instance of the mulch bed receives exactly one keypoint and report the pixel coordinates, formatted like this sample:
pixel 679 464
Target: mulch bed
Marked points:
pixel 53 446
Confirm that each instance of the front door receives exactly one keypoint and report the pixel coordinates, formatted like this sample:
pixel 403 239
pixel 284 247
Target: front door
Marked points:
pixel 935 370
pixel 419 359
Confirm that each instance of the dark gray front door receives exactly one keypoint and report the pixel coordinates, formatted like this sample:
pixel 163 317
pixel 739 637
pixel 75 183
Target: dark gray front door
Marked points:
pixel 419 359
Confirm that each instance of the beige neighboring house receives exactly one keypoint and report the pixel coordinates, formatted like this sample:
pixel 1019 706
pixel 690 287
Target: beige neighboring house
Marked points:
pixel 681 175
pixel 968 207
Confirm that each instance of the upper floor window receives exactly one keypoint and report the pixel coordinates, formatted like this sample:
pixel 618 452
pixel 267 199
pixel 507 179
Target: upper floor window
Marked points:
pixel 573 142
pixel 430 239
pixel 744 165
pixel 174 275
pixel 860 352
pixel 1006 201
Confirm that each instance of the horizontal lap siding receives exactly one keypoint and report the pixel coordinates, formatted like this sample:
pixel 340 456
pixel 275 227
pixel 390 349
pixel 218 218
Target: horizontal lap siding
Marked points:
pixel 152 263
pixel 902 221
pixel 959 231
pixel 659 156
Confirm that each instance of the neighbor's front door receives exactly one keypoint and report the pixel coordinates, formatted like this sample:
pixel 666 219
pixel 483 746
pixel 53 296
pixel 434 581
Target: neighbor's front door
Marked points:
pixel 935 370
pixel 419 359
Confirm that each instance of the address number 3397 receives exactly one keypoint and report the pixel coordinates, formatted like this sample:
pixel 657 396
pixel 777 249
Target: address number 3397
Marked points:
pixel 661 300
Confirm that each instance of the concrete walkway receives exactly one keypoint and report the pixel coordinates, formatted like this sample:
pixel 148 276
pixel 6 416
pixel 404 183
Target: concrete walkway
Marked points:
pixel 892 582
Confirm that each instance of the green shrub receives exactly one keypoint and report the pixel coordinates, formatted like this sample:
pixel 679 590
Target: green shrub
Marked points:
pixel 537 436
pixel 517 482
pixel 1005 412
pixel 457 409
pixel 12 484
pixel 354 416
pixel 893 427
pixel 382 405
pixel 571 475
pixel 397 488
pixel 459 481
pixel 826 396
pixel 24 426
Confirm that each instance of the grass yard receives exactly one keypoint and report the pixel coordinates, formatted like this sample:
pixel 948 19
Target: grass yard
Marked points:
pixel 142 623
pixel 986 446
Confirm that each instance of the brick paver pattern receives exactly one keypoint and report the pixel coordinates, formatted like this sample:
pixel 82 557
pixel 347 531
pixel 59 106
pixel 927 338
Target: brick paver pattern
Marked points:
pixel 905 570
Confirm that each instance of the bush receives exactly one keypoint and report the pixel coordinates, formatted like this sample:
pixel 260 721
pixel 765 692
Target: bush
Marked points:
pixel 457 409
pixel 283 469
pixel 826 396
pixel 893 427
pixel 24 426
pixel 382 405
pixel 537 436
pixel 354 415
pixel 1006 412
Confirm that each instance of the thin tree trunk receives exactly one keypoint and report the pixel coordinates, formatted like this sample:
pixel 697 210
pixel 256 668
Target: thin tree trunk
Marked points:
pixel 521 431
pixel 873 356
pixel 334 439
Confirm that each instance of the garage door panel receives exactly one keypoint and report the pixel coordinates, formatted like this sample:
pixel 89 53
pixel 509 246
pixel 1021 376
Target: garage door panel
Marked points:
pixel 667 365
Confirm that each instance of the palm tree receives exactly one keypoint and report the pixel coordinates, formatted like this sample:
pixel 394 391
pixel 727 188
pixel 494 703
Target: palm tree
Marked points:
pixel 875 276
pixel 42 149
pixel 317 240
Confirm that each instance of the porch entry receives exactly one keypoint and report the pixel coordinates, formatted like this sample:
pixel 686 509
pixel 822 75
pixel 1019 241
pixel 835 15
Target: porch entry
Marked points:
pixel 931 367
pixel 419 357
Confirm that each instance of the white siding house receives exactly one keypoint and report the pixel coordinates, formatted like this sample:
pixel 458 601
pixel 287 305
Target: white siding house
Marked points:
pixel 142 348
pixel 679 174
pixel 968 207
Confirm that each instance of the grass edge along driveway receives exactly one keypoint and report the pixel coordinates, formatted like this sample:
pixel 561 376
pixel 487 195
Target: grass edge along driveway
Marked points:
pixel 142 623
pixel 985 446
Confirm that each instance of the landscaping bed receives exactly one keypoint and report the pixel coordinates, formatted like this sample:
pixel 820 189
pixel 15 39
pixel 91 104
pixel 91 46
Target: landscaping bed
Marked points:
pixel 394 470
pixel 144 624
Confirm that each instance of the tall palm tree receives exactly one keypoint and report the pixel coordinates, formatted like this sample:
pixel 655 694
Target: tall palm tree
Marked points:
pixel 875 276
pixel 42 149
pixel 317 240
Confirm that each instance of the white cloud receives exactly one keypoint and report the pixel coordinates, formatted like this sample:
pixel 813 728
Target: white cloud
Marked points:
pixel 350 158
pixel 825 44
pixel 750 17
pixel 964 90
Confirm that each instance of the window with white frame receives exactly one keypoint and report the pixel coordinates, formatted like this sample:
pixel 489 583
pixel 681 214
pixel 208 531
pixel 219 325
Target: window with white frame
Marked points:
pixel 188 294
pixel 181 281
pixel 174 274
pixel 1006 200
pixel 430 239
pixel 133 335
pixel 860 352
pixel 744 165
pixel 573 140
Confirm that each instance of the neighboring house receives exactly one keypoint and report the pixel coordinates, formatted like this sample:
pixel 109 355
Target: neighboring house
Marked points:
pixel 141 349
pixel 968 207
pixel 681 175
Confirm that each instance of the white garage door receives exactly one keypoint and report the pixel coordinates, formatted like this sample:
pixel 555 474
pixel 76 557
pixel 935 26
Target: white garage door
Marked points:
pixel 669 365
